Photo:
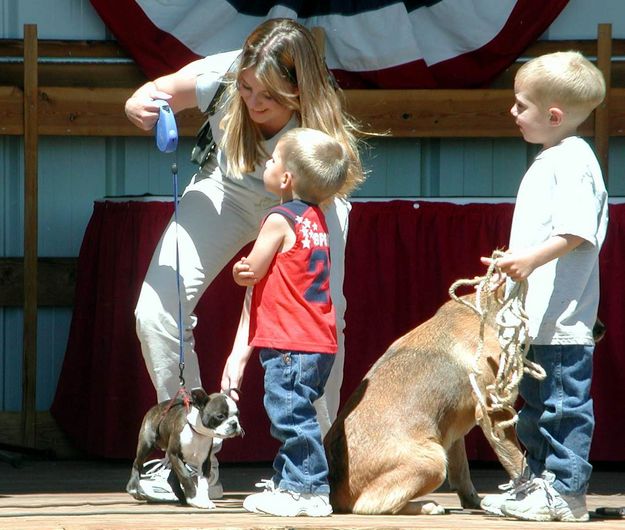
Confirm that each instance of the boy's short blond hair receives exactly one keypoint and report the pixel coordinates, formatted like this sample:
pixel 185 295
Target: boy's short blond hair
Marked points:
pixel 566 79
pixel 318 162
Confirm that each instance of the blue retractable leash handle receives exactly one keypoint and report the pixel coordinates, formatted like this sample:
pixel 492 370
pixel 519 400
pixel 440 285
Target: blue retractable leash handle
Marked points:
pixel 167 142
pixel 166 130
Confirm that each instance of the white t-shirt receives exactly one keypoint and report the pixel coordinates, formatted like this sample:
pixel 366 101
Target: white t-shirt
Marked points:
pixel 206 86
pixel 562 193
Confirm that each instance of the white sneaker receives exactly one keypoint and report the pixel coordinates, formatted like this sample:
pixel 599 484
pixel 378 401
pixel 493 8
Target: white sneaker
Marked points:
pixel 285 503
pixel 154 486
pixel 516 489
pixel 544 503
pixel 249 503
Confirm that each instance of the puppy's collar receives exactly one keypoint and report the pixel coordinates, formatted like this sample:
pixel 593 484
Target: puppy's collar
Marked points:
pixel 195 422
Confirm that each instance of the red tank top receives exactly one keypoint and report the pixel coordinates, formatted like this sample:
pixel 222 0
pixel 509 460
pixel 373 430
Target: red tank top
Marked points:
pixel 291 306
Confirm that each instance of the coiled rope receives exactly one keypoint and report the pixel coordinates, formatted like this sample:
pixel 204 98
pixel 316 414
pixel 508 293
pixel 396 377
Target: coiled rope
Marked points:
pixel 511 324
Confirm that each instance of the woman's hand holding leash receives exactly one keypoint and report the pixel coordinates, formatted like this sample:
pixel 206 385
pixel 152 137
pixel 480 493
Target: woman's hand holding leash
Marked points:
pixel 232 376
pixel 142 108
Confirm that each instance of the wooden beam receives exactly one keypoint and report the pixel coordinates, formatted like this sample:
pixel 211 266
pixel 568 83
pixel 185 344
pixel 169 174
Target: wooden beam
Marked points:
pixel 433 113
pixel 71 49
pixel 65 111
pixel 68 111
pixel 11 110
pixel 123 75
pixel 50 437
pixel 602 114
pixel 29 373
pixel 56 282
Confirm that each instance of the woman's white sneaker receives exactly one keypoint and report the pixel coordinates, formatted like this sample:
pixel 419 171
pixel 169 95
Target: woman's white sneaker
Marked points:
pixel 154 485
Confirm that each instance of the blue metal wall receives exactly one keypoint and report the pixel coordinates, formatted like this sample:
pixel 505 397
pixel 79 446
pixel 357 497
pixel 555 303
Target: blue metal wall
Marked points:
pixel 73 172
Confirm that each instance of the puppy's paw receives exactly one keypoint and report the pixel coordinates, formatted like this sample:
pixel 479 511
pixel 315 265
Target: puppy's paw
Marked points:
pixel 133 487
pixel 432 508
pixel 135 491
pixel 201 499
pixel 422 508
pixel 204 503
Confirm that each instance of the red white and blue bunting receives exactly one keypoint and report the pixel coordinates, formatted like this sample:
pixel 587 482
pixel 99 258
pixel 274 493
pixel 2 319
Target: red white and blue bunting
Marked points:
pixel 369 43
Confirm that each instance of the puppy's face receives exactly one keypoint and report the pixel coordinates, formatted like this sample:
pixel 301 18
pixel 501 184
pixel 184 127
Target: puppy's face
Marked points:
pixel 218 414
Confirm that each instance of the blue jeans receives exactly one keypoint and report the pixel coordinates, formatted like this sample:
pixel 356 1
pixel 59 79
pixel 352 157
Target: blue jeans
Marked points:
pixel 557 421
pixel 293 381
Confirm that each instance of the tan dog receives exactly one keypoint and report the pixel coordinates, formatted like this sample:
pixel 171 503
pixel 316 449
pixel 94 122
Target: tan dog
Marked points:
pixel 402 431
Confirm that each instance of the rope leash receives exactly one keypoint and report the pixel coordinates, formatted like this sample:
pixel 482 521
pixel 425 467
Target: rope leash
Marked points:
pixel 512 326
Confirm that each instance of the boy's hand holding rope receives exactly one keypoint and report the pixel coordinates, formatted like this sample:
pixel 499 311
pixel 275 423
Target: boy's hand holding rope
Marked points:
pixel 511 324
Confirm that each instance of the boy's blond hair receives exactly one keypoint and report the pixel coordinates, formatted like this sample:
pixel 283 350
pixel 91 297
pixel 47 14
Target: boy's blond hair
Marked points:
pixel 566 79
pixel 319 163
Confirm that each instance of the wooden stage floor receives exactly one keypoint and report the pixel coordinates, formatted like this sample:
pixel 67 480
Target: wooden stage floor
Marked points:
pixel 90 495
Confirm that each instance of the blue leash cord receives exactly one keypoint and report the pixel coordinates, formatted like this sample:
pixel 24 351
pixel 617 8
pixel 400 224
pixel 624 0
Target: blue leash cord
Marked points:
pixel 167 142
pixel 174 174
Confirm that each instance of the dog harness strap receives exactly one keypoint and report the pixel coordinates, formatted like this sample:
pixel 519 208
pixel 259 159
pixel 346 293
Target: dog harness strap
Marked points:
pixel 195 422
pixel 184 395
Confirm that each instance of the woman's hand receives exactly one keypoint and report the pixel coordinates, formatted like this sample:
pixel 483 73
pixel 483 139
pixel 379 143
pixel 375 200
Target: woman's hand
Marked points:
pixel 178 89
pixel 232 376
pixel 141 108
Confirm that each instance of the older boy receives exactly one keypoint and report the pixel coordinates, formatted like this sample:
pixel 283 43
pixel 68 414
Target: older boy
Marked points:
pixel 559 224
pixel 292 319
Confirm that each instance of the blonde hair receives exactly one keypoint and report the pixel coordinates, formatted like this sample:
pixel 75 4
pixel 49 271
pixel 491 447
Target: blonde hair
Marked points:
pixel 318 163
pixel 563 78
pixel 287 63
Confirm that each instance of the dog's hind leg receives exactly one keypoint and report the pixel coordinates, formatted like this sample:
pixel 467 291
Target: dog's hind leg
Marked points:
pixel 459 476
pixel 416 471
pixel 132 487
pixel 145 445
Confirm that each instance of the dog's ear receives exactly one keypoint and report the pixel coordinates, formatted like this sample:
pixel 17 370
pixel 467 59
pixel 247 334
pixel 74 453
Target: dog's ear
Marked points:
pixel 200 397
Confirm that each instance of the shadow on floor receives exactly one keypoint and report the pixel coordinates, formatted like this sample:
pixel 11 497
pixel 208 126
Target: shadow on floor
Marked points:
pixel 100 476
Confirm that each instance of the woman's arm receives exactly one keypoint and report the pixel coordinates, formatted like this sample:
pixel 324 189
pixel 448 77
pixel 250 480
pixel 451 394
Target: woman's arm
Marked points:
pixel 178 89
pixel 232 376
